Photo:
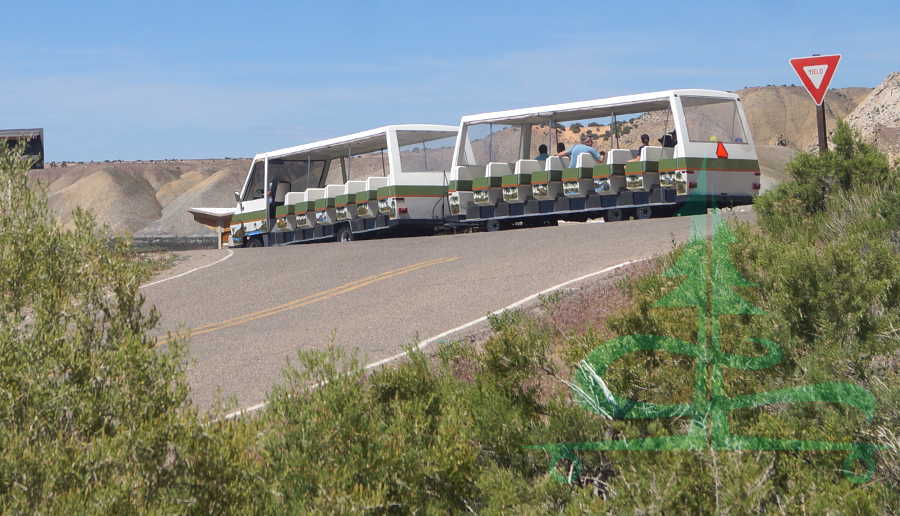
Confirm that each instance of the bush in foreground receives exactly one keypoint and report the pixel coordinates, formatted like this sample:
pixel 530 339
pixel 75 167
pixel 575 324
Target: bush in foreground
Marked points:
pixel 95 418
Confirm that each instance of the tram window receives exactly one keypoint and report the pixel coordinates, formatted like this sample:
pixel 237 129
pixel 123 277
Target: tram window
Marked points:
pixel 494 143
pixel 710 120
pixel 425 156
pixel 255 186
pixel 295 173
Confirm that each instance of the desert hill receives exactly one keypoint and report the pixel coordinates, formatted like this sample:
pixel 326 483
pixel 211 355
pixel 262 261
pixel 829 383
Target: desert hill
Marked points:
pixel 787 115
pixel 195 189
pixel 144 198
pixel 151 198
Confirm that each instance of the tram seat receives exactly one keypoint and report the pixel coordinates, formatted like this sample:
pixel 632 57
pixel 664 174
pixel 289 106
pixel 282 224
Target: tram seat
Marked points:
pixel 294 197
pixel 557 163
pixel 314 194
pixel 355 186
pixel 374 183
pixel 469 171
pixel 280 191
pixel 649 153
pixel 620 156
pixel 332 191
pixel 495 169
pixel 650 157
pixel 528 166
pixel 585 160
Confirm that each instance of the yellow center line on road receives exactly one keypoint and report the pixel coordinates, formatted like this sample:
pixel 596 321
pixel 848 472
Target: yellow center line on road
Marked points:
pixel 308 300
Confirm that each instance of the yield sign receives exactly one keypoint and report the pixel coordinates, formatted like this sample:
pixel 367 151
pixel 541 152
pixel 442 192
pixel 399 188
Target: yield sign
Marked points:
pixel 816 73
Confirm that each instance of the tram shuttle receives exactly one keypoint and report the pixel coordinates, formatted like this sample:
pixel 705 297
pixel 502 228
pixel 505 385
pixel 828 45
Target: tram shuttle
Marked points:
pixel 406 179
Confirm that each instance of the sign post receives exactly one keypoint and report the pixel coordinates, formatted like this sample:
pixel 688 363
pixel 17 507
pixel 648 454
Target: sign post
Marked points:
pixel 815 73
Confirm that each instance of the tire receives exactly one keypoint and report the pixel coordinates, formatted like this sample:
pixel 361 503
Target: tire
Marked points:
pixel 253 242
pixel 492 225
pixel 643 212
pixel 613 215
pixel 344 234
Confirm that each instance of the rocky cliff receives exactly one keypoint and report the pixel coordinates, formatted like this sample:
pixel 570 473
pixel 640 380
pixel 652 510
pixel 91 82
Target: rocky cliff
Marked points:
pixel 877 117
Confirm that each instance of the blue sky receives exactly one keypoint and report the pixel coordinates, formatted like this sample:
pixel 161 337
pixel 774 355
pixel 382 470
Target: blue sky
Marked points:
pixel 164 80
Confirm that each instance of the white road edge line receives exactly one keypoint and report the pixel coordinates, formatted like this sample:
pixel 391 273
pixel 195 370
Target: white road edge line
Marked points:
pixel 230 254
pixel 423 344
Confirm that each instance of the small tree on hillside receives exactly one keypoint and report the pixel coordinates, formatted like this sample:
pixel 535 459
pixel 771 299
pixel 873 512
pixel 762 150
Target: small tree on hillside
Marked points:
pixel 850 163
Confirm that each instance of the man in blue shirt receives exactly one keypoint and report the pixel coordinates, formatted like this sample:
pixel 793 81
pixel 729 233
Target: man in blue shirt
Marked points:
pixel 543 153
pixel 585 146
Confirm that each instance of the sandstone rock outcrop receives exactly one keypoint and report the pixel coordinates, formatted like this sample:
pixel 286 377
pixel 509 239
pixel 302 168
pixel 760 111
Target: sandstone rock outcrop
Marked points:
pixel 877 118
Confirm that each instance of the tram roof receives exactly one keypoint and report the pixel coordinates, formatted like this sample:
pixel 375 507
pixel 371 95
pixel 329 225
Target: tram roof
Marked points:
pixel 588 109
pixel 361 143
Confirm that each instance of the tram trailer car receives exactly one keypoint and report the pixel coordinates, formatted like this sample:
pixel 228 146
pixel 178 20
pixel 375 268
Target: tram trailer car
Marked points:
pixel 495 184
pixel 386 181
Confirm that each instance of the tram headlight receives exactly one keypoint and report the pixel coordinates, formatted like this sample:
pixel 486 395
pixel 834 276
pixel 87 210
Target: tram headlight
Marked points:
pixel 571 188
pixel 540 190
pixel 482 196
pixel 634 181
pixel 383 207
pixel 341 213
pixel 321 216
pixel 362 209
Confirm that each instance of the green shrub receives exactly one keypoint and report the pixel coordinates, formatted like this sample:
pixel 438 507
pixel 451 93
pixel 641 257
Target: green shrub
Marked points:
pixel 95 418
pixel 828 276
pixel 851 164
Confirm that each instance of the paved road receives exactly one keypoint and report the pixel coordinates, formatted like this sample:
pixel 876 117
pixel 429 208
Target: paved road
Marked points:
pixel 250 313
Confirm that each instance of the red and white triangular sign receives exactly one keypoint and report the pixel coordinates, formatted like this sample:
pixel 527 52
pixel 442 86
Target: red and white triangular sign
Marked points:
pixel 721 153
pixel 815 73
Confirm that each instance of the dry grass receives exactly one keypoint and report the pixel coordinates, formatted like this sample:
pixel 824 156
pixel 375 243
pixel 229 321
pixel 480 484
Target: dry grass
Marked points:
pixel 589 305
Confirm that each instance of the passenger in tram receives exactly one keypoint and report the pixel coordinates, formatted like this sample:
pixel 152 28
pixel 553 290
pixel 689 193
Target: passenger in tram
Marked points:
pixel 273 188
pixel 645 141
pixel 669 140
pixel 542 149
pixel 585 146
pixel 602 159
pixel 560 147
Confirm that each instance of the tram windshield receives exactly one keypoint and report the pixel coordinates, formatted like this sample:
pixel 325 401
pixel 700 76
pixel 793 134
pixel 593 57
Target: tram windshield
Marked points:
pixel 711 119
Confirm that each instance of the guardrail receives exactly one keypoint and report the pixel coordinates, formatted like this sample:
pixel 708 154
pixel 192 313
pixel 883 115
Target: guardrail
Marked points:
pixel 174 243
